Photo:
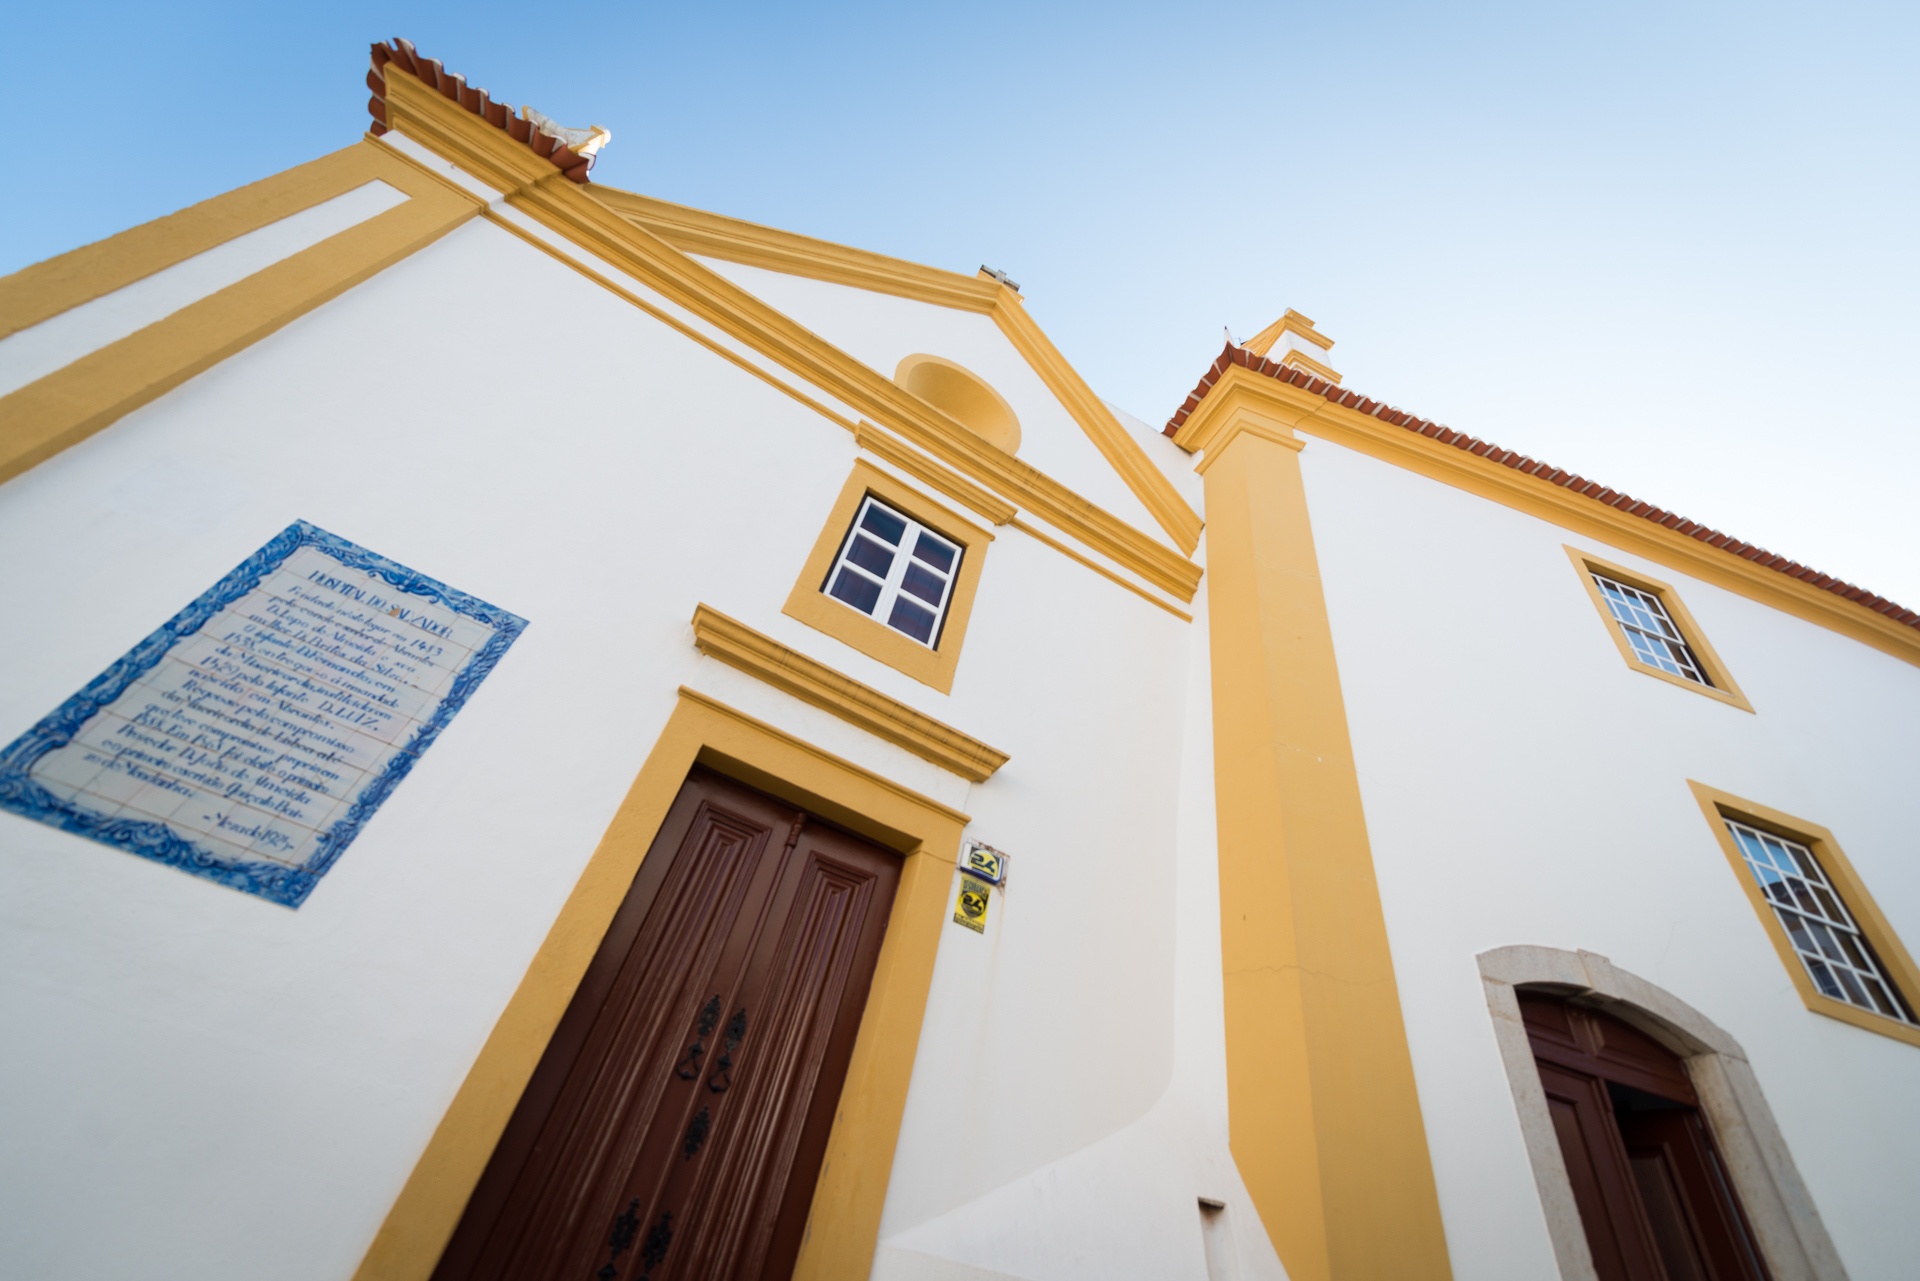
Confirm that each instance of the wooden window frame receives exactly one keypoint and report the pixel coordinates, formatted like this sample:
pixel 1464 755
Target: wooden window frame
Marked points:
pixel 809 602
pixel 1718 806
pixel 1724 688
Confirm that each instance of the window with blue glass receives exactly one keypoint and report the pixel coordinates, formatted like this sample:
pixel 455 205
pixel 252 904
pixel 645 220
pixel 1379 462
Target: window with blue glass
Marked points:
pixel 895 570
pixel 1829 942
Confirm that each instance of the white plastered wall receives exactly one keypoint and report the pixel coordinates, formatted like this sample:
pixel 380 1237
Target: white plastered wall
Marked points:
pixel 195 1081
pixel 1524 786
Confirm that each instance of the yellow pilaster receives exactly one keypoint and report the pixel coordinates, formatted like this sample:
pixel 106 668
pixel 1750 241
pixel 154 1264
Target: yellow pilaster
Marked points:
pixel 1324 1119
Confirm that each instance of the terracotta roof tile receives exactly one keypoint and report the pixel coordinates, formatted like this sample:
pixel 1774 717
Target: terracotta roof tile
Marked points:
pixel 1234 355
pixel 402 55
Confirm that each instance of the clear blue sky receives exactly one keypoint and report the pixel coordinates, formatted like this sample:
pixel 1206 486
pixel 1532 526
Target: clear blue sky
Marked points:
pixel 1671 246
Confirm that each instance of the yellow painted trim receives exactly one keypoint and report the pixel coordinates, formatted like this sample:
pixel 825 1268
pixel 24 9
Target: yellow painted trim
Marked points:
pixel 999 426
pixel 1719 806
pixel 1323 1113
pixel 812 681
pixel 1122 452
pixel 1041 536
pixel 731 240
pixel 46 289
pixel 810 603
pixel 1724 688
pixel 711 235
pixel 1301 360
pixel 845 1221
pixel 1292 322
pixel 73 402
pixel 577 213
pixel 874 440
pixel 922 468
pixel 459 136
pixel 1576 513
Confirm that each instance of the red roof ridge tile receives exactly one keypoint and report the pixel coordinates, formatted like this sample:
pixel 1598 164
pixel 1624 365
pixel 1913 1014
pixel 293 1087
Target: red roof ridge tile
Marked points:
pixel 1235 355
pixel 401 54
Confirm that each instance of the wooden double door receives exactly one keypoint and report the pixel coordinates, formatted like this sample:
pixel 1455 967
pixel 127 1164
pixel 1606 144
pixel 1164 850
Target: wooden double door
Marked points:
pixel 1653 1194
pixel 676 1124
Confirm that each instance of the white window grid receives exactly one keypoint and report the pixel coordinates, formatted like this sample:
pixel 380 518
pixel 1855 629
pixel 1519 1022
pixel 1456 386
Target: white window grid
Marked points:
pixel 1837 955
pixel 896 571
pixel 1655 638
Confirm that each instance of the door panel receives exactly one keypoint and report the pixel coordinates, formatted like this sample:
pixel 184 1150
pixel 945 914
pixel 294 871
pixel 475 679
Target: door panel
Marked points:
pixel 1609 1210
pixel 675 1125
pixel 1653 1197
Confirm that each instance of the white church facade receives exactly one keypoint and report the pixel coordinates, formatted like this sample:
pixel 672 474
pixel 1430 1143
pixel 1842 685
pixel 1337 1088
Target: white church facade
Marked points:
pixel 546 733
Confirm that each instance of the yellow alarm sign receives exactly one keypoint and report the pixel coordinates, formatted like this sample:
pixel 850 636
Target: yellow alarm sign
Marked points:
pixel 970 909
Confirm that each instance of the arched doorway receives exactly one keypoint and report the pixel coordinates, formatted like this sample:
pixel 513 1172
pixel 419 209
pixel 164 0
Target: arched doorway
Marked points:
pixel 1652 1190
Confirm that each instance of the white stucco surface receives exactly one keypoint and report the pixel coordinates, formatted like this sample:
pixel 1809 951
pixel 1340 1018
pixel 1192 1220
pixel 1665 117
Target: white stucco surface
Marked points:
pixel 1524 785
pixel 484 415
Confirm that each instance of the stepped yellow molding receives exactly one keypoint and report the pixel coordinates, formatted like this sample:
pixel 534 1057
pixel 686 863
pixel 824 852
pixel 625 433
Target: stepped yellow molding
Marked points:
pixel 1241 391
pixel 695 231
pixel 579 215
pixel 1292 322
pixel 919 466
pixel 77 400
pixel 808 679
pixel 1122 452
pixel 1300 359
pixel 750 244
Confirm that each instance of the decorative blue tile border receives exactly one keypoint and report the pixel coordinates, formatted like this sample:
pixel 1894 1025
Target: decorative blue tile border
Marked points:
pixel 159 840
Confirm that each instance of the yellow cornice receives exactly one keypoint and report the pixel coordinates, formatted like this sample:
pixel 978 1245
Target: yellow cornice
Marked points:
pixel 1122 452
pixel 1292 322
pixel 577 213
pixel 487 153
pixel 695 231
pixel 1287 408
pixel 919 466
pixel 1311 365
pixel 760 656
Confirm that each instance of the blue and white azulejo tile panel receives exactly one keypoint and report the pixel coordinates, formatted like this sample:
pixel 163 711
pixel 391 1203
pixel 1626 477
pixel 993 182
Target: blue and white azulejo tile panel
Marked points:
pixel 251 736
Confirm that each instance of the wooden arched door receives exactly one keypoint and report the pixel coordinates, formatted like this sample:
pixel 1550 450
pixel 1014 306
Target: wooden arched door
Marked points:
pixel 675 1126
pixel 1653 1194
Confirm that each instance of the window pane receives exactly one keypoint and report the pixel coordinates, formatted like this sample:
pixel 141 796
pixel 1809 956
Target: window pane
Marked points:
pixel 856 590
pixel 1837 955
pixel 933 551
pixel 924 583
pixel 914 621
pixel 884 523
pixel 870 556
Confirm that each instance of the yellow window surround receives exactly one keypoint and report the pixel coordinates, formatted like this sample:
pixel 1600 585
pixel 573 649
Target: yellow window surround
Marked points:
pixel 810 603
pixel 1724 688
pixel 808 679
pixel 844 1224
pixel 1719 806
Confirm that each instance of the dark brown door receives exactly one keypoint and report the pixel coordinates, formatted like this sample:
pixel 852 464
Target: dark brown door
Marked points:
pixel 675 1127
pixel 1653 1195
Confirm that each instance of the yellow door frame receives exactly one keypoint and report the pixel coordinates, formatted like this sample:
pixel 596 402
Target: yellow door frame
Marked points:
pixel 844 1224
